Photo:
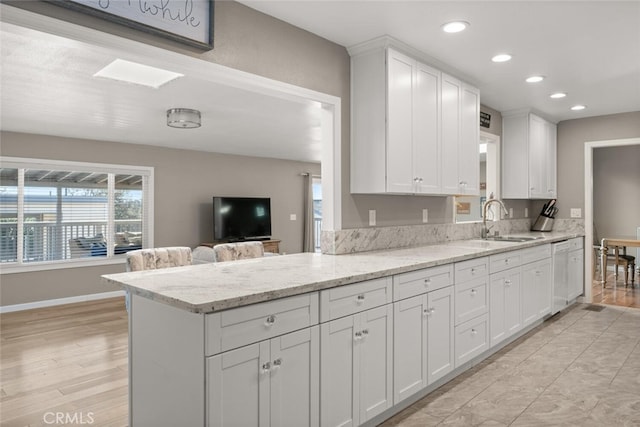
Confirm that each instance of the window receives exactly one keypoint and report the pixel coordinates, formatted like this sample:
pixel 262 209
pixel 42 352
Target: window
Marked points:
pixel 60 213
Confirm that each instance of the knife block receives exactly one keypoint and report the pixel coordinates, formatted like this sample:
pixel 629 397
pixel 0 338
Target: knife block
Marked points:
pixel 543 223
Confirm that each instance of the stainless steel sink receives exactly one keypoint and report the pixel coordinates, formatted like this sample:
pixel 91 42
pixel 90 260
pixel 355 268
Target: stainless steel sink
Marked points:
pixel 508 238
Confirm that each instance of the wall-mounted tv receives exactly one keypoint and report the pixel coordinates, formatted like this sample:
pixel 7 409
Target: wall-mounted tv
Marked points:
pixel 241 218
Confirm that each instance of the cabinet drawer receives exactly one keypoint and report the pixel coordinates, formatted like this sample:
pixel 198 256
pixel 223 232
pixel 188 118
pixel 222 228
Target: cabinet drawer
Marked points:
pixel 345 300
pixel 414 283
pixel 504 261
pixel 245 325
pixel 575 244
pixel 472 338
pixel 471 299
pixel 535 253
pixel 472 269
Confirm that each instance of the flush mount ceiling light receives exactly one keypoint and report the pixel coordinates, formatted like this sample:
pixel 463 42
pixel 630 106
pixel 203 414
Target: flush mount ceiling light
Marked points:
pixel 558 95
pixel 183 118
pixel 535 79
pixel 578 107
pixel 503 57
pixel 455 26
pixel 132 72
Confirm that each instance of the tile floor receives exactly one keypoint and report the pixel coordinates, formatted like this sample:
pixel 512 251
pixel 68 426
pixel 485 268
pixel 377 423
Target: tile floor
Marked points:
pixel 580 368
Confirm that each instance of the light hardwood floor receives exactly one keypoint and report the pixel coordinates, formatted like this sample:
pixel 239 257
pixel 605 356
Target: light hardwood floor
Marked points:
pixel 616 293
pixel 69 359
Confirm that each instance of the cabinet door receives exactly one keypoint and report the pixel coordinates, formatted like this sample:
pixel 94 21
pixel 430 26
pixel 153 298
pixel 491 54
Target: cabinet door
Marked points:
pixel 497 308
pixel 409 346
pixel 538 157
pixel 338 372
pixel 441 338
pixel 551 162
pixel 238 387
pixel 529 300
pixel 469 149
pixel 295 379
pixel 400 177
pixel 545 287
pixel 576 273
pixel 451 97
pixel 426 132
pixel 512 298
pixel 376 367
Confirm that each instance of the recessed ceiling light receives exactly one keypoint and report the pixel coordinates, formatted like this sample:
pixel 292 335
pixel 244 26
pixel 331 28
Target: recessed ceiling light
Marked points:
pixel 578 107
pixel 535 79
pixel 557 95
pixel 132 72
pixel 455 26
pixel 503 57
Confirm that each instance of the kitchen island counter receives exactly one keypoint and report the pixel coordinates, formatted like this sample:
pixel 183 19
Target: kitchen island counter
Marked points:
pixel 208 288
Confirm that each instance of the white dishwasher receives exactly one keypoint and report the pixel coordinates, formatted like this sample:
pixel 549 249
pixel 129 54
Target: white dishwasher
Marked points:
pixel 560 254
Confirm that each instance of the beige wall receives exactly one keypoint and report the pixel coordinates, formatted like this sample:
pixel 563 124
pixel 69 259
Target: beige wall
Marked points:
pixel 616 190
pixel 572 134
pixel 185 182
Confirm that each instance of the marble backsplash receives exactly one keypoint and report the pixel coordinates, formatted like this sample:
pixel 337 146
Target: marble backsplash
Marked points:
pixel 378 238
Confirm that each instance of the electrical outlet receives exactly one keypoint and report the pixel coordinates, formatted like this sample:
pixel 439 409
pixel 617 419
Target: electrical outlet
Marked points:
pixel 425 215
pixel 293 217
pixel 372 217
pixel 576 213
pixel 510 212
pixel 526 212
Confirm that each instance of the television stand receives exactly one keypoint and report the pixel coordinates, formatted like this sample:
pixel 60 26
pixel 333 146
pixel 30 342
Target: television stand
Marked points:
pixel 272 245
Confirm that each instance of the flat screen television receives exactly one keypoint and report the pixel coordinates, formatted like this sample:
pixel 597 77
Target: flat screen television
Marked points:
pixel 241 218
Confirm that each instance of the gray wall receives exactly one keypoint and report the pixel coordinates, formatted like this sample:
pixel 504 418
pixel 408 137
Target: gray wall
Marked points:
pixel 185 182
pixel 572 134
pixel 616 190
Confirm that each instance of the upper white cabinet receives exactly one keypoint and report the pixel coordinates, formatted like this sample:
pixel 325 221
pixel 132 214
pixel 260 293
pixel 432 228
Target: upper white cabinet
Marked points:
pixel 528 157
pixel 401 109
pixel 460 137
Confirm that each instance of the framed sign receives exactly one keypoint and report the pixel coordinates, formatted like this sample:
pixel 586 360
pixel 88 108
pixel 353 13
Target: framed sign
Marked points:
pixel 185 21
pixel 485 119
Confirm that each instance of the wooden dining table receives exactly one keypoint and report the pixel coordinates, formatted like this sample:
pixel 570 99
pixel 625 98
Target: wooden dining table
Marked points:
pixel 616 243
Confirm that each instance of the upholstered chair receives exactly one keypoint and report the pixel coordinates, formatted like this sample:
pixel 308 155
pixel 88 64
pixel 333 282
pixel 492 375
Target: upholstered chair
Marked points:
pixel 235 251
pixel 156 258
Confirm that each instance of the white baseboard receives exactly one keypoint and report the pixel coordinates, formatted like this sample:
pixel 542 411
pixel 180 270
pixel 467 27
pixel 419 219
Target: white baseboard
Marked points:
pixel 59 301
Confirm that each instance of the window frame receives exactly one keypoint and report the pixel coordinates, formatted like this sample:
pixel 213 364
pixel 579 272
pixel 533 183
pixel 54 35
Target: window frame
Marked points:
pixel 147 172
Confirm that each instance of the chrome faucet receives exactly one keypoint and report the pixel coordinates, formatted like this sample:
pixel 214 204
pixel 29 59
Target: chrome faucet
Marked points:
pixel 485 229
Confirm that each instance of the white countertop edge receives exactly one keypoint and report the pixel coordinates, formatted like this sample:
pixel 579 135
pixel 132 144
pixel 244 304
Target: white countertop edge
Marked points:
pixel 470 250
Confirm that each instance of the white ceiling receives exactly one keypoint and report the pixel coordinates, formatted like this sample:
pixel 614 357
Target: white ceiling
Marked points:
pixel 47 87
pixel 591 50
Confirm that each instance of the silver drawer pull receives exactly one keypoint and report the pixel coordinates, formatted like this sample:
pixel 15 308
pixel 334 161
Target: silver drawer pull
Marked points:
pixel 266 367
pixel 358 336
pixel 426 312
pixel 271 319
pixel 506 260
pixel 365 332
pixel 277 363
pixel 474 332
pixel 473 292
pixel 473 271
pixel 360 299
pixel 507 282
pixel 427 281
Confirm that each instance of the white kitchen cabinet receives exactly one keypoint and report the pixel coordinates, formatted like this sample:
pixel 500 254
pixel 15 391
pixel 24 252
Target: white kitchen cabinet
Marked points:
pixel 529 153
pixel 270 383
pixel 505 318
pixel 356 367
pixel 397 144
pixel 460 137
pixel 423 341
pixel 576 268
pixel 536 291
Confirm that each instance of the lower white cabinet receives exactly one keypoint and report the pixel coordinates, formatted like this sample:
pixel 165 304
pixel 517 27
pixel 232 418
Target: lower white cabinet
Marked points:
pixel 536 291
pixel 471 339
pixel 504 305
pixel 576 273
pixel 271 383
pixel 423 345
pixel 356 367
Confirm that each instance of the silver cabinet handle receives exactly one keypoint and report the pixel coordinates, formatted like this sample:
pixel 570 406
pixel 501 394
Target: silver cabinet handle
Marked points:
pixel 473 332
pixel 360 299
pixel 271 319
pixel 266 367
pixel 365 332
pixel 277 363
pixel 507 282
pixel 358 336
pixel 473 292
pixel 427 282
pixel 433 310
pixel 426 312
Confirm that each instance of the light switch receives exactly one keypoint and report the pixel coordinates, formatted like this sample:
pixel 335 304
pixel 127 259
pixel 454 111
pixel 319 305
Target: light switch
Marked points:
pixel 372 217
pixel 425 215
pixel 293 217
pixel 510 212
pixel 526 212
pixel 576 213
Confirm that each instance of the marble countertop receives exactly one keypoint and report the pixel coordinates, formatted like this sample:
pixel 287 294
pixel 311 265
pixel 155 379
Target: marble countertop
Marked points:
pixel 207 288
